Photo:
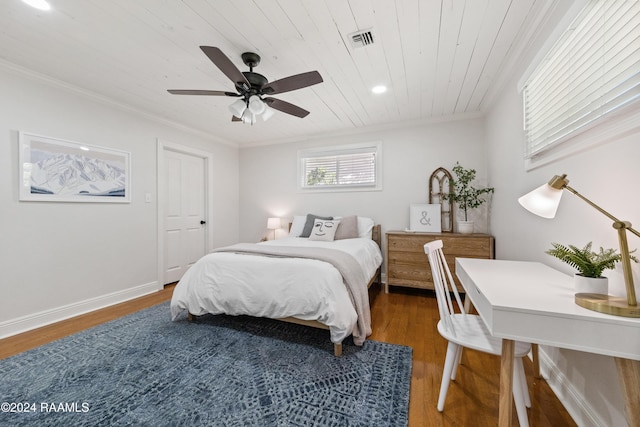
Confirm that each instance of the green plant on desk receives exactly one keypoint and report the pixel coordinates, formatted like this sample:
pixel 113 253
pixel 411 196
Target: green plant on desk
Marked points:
pixel 586 261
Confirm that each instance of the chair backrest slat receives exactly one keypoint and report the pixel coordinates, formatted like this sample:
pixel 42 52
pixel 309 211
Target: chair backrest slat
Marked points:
pixel 443 283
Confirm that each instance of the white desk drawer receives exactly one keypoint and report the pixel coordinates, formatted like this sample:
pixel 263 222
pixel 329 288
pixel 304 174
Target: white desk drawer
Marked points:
pixel 478 299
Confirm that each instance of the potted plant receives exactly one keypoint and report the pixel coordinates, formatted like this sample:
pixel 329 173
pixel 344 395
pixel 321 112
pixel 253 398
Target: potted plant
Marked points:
pixel 589 264
pixel 465 195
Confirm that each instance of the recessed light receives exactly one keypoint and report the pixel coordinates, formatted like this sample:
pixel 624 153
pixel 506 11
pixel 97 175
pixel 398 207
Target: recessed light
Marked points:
pixel 379 89
pixel 38 4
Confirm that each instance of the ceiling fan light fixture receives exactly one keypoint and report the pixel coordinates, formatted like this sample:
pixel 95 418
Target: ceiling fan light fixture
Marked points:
pixel 238 107
pixel 268 113
pixel 256 105
pixel 248 117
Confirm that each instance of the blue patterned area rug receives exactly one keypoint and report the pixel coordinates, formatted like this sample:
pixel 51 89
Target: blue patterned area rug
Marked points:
pixel 144 369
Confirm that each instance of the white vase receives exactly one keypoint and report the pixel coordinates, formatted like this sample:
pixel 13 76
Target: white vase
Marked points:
pixel 465 227
pixel 591 285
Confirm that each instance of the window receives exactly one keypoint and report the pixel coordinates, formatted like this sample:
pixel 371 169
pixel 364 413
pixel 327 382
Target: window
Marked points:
pixel 351 167
pixel 591 72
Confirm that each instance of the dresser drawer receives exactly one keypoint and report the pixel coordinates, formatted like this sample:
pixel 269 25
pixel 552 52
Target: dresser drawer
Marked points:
pixel 456 246
pixel 408 265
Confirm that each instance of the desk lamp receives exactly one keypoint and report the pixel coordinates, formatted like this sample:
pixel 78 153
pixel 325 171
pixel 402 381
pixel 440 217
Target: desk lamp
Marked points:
pixel 544 201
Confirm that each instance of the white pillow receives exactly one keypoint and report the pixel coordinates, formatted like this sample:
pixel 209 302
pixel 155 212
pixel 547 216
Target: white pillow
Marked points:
pixel 297 225
pixel 365 227
pixel 308 225
pixel 324 229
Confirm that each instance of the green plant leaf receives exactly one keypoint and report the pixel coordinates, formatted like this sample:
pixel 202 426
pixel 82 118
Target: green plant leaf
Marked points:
pixel 586 261
pixel 464 194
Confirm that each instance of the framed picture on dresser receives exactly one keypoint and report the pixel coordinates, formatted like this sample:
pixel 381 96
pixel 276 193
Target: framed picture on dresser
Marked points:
pixel 425 217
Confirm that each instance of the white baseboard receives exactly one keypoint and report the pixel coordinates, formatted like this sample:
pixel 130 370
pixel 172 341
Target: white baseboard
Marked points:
pixel 47 317
pixel 569 396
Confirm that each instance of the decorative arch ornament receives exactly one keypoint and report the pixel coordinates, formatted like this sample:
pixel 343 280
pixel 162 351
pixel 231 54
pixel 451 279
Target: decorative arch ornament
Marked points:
pixel 441 182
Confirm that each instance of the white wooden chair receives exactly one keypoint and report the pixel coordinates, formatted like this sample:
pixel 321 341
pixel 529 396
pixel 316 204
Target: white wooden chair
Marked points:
pixel 468 330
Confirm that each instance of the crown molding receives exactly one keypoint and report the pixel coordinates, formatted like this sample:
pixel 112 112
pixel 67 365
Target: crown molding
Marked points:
pixel 94 96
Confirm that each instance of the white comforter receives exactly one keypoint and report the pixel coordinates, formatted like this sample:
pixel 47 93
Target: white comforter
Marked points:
pixel 271 287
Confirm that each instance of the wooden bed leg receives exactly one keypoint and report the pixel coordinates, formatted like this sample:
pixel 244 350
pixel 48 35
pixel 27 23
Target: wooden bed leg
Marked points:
pixel 191 317
pixel 337 350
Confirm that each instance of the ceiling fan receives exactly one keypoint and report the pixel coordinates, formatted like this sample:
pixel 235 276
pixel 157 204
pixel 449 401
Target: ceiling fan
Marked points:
pixel 254 89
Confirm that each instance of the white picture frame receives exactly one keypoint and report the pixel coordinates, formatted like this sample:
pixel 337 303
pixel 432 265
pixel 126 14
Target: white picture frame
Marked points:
pixel 425 217
pixel 56 170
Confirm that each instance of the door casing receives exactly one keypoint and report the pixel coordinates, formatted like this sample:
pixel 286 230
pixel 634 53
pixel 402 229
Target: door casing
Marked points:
pixel 162 147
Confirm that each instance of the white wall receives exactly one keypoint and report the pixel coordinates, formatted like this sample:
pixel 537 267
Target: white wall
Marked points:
pixel 58 259
pixel 608 174
pixel 410 154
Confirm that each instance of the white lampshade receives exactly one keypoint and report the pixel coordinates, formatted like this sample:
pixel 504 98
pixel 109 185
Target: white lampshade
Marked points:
pixel 248 117
pixel 268 113
pixel 256 105
pixel 238 107
pixel 273 223
pixel 543 201
pixel 38 4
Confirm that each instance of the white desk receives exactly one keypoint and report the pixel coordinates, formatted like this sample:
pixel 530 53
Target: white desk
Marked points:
pixel 531 302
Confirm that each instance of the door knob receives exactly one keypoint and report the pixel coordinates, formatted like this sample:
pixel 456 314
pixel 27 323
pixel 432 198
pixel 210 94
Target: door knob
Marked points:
pixel 203 222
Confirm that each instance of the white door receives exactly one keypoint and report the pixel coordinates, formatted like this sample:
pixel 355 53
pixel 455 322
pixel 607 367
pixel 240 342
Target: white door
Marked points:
pixel 184 213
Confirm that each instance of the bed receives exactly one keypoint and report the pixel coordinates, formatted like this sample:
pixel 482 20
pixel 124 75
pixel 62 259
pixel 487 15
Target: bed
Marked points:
pixel 319 281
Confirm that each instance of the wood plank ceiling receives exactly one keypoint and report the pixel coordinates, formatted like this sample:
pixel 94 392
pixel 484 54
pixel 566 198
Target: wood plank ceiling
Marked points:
pixel 437 57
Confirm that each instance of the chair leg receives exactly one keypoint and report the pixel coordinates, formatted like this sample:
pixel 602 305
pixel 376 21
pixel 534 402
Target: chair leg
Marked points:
pixel 525 388
pixel 457 362
pixel 518 392
pixel 449 361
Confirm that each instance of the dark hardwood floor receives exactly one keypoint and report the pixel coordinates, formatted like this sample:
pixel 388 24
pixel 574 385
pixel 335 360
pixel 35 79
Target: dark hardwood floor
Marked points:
pixel 406 317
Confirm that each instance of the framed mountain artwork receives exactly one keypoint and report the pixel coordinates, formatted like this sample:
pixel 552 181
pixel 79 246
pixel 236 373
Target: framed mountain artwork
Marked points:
pixel 55 170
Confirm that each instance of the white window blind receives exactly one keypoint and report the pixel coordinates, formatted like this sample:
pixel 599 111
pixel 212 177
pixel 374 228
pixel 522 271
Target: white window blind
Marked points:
pixel 340 167
pixel 591 72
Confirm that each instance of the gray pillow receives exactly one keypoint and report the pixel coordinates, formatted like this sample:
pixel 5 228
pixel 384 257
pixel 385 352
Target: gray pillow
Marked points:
pixel 308 226
pixel 348 228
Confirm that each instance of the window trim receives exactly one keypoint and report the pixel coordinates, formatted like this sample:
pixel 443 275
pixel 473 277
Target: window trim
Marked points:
pixel 336 150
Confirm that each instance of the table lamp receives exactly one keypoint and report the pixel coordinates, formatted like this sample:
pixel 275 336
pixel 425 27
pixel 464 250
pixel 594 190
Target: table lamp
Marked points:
pixel 544 201
pixel 273 224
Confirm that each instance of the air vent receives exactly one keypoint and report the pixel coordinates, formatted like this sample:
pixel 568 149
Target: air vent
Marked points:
pixel 361 39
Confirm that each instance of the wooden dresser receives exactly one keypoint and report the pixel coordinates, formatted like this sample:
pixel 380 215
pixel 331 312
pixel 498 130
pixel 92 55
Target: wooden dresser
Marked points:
pixel 407 264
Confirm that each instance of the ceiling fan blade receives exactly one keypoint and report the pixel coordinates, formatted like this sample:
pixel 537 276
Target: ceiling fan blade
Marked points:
pixel 226 66
pixel 286 107
pixel 292 83
pixel 201 92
